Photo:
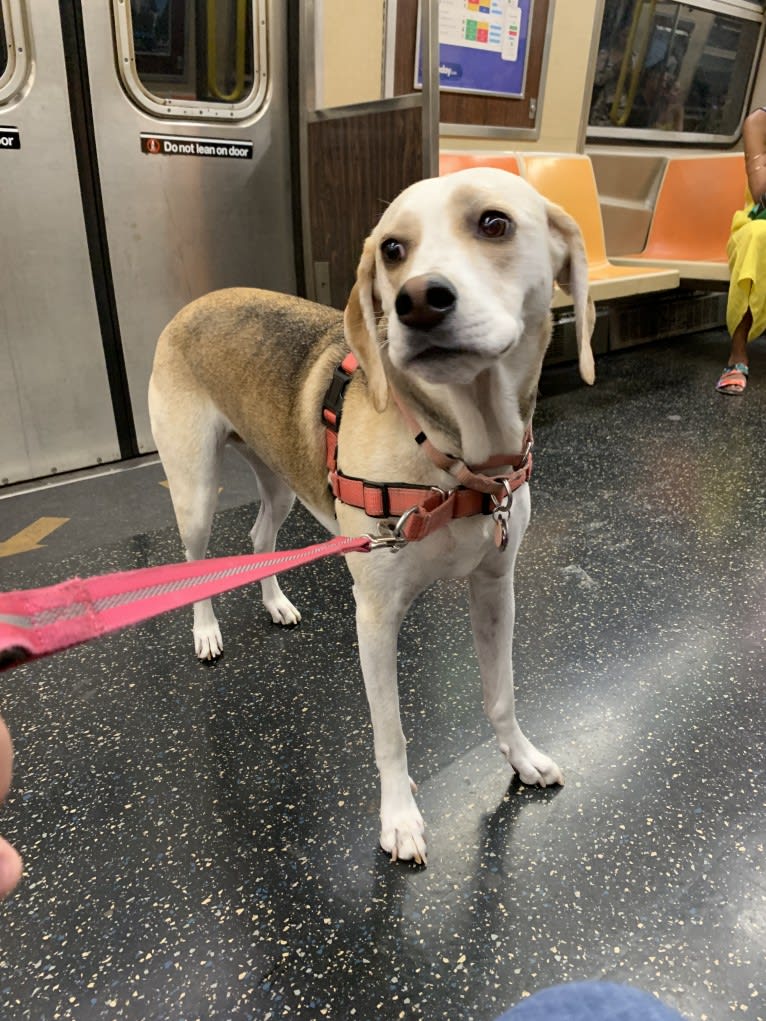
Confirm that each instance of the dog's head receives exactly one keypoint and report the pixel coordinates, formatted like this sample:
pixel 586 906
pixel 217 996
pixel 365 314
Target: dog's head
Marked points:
pixel 463 268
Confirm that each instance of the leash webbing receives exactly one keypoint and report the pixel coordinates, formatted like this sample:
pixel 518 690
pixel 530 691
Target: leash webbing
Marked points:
pixel 38 622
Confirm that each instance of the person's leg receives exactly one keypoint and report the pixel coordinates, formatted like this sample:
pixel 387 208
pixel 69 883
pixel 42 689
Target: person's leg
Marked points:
pixel 734 377
pixel 738 351
pixel 591 1001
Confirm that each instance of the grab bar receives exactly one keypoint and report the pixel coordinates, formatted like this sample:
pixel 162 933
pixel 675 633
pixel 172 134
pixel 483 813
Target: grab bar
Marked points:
pixel 240 40
pixel 617 118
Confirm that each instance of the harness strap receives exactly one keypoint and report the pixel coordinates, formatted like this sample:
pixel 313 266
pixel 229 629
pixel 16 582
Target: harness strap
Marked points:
pixel 422 509
pixel 332 406
pixel 455 466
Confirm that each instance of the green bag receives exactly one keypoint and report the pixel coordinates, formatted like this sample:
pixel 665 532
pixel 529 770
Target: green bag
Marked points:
pixel 758 212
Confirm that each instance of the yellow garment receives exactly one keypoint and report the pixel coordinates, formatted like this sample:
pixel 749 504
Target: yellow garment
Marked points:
pixel 746 250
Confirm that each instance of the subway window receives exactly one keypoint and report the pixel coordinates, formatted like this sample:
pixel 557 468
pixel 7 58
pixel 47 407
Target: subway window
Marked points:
pixel 674 71
pixel 193 58
pixel 3 48
pixel 13 50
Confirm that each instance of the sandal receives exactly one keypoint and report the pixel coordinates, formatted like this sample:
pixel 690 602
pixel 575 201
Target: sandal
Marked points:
pixel 733 380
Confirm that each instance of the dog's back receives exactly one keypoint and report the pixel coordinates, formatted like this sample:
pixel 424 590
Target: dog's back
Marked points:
pixel 281 350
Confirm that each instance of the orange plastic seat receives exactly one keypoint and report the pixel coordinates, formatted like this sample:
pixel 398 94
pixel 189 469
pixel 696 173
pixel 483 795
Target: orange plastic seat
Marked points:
pixel 692 216
pixel 449 162
pixel 569 181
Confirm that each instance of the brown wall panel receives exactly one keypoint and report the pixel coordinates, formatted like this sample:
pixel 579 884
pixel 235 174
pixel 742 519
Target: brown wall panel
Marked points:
pixel 357 165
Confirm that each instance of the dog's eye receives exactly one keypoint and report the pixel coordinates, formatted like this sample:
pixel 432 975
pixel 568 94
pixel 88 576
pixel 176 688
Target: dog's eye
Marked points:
pixel 393 250
pixel 494 225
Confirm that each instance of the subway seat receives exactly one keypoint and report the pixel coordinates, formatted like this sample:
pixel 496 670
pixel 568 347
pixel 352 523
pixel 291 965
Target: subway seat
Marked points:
pixel 451 161
pixel 690 227
pixel 568 180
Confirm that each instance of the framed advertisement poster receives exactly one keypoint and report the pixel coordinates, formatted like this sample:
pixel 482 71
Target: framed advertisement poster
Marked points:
pixel 483 46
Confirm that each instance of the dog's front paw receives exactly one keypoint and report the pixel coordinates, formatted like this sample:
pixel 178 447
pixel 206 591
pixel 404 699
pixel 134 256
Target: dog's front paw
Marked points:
pixel 532 766
pixel 208 643
pixel 403 836
pixel 282 610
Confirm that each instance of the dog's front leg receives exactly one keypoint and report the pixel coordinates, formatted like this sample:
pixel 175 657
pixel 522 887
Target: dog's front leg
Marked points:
pixel 492 617
pixel 378 617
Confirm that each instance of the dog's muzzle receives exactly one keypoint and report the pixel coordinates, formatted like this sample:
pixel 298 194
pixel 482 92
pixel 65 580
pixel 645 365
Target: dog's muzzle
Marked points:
pixel 424 302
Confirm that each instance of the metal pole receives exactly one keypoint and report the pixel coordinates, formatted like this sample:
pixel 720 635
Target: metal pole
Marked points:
pixel 429 42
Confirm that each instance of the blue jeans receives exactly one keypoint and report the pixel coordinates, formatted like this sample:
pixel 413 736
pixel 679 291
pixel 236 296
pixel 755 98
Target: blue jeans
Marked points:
pixel 590 1001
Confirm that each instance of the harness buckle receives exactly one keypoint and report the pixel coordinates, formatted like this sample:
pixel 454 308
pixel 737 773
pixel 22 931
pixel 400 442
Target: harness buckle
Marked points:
pixel 332 405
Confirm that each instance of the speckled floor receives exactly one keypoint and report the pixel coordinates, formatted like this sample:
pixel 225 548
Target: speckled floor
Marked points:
pixel 200 842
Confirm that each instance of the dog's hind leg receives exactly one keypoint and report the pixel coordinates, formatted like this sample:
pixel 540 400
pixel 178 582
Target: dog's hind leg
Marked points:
pixel 277 500
pixel 190 439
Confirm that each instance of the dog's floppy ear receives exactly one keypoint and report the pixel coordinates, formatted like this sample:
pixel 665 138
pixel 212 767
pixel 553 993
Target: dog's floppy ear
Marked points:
pixel 570 268
pixel 361 330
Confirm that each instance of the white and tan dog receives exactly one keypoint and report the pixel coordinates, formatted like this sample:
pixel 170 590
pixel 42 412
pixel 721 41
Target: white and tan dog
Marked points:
pixel 462 268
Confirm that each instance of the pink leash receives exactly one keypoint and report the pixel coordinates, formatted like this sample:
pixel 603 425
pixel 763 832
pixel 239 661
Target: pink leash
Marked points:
pixel 38 622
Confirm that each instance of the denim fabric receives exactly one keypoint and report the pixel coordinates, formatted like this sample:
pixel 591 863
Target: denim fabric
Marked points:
pixel 590 1001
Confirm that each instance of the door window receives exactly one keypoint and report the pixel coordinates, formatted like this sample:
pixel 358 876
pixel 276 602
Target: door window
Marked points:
pixel 193 58
pixel 13 50
pixel 3 48
pixel 669 70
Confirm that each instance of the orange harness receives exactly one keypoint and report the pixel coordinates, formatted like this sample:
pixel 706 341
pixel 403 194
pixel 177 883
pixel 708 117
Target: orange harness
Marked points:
pixel 421 510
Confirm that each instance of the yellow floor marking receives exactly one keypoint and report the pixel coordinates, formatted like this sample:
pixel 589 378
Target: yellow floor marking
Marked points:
pixel 29 538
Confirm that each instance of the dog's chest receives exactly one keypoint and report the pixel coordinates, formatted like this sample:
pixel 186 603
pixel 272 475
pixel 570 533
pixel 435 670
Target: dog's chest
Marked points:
pixel 457 550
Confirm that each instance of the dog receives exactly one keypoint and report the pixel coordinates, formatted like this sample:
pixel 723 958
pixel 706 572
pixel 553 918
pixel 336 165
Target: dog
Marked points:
pixel 449 320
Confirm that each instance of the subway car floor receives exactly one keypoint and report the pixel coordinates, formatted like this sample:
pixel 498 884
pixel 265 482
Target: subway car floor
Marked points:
pixel 200 841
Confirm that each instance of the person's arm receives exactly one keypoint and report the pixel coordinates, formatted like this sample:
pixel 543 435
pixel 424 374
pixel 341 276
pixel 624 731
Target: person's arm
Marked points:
pixel 754 137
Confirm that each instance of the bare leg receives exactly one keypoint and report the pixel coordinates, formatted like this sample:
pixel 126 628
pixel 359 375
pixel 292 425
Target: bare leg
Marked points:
pixel 738 354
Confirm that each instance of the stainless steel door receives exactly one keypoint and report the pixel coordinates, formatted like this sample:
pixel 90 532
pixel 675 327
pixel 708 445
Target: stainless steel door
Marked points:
pixel 106 229
pixel 184 221
pixel 55 405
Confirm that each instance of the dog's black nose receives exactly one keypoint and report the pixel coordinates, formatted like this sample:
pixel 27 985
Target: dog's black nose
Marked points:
pixel 424 301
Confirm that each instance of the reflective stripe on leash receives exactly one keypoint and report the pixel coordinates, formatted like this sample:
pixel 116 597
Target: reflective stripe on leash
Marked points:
pixel 38 622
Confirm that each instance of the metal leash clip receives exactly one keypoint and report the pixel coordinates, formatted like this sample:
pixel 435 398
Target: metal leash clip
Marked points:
pixel 501 515
pixel 391 536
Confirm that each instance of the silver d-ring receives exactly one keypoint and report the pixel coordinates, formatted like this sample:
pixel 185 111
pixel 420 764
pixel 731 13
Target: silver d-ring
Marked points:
pixel 507 500
pixel 397 529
